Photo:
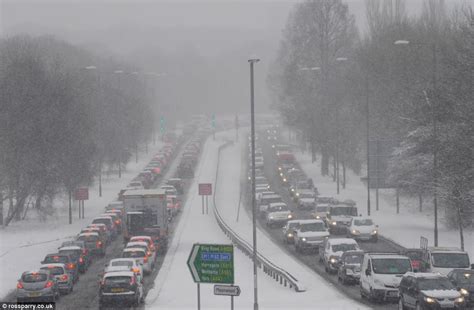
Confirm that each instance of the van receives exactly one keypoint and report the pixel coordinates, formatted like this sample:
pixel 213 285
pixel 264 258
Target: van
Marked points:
pixel 381 274
pixel 444 259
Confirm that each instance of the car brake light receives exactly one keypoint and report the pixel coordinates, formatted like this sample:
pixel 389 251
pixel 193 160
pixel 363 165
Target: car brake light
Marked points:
pixel 98 244
pixel 48 284
pixel 84 251
pixel 136 270
pixel 148 253
pixel 132 280
pixel 64 277
pixel 19 285
pixel 70 266
pixel 145 259
pixel 117 222
pixel 81 260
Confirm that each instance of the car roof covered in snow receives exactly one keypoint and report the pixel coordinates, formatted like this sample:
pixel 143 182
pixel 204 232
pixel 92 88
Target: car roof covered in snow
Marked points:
pixel 335 241
pixel 70 248
pixel 425 275
pixel 53 265
pixel 310 221
pixel 387 255
pixel 445 249
pixel 119 274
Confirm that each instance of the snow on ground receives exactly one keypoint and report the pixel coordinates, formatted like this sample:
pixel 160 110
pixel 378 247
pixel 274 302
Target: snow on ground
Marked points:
pixel 24 244
pixel 174 287
pixel 404 228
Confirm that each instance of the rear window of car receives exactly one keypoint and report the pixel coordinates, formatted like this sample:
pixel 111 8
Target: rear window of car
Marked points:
pixel 132 254
pixel 34 277
pixel 54 270
pixel 122 263
pixel 74 253
pixel 56 259
pixel 88 238
pixel 117 280
pixel 102 221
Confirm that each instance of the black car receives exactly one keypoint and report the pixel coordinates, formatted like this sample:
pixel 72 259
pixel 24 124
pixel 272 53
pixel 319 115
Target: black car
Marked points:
pixel 86 254
pixel 76 253
pixel 428 291
pixel 349 267
pixel 463 280
pixel 67 259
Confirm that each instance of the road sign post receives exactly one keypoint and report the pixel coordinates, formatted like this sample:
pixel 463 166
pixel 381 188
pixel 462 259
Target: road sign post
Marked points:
pixel 81 194
pixel 205 189
pixel 213 263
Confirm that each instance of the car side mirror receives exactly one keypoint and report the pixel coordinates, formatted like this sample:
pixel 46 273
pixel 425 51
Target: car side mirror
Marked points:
pixel 368 272
pixel 42 262
pixel 472 266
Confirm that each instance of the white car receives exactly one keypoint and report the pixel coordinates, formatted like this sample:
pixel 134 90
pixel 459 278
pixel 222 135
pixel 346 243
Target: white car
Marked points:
pixel 278 213
pixel 309 235
pixel 141 256
pixel 125 264
pixel 363 228
pixel 321 211
pixel 332 250
pixel 144 245
pixel 258 162
pixel 306 199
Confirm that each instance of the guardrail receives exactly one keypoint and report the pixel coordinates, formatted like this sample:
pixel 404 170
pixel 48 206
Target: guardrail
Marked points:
pixel 279 274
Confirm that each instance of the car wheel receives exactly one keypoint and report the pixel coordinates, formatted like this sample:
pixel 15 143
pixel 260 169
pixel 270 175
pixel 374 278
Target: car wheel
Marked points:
pixel 372 296
pixel 362 294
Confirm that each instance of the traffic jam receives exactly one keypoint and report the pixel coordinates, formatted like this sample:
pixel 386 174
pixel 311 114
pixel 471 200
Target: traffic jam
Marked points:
pixel 346 248
pixel 141 217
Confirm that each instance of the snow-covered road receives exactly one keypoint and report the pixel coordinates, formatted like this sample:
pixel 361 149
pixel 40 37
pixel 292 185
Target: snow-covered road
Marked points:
pixel 174 288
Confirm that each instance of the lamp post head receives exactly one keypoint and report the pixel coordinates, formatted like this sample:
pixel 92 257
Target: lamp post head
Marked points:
pixel 254 60
pixel 401 42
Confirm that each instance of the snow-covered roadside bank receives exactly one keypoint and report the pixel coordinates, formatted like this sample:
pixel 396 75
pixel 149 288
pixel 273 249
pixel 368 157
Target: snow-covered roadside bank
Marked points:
pixel 404 228
pixel 24 244
pixel 318 293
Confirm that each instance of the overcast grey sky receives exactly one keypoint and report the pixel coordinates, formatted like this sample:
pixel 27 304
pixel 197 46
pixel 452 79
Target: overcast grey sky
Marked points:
pixel 223 33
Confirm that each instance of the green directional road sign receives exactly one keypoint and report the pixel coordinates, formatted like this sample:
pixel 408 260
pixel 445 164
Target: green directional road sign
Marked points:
pixel 212 263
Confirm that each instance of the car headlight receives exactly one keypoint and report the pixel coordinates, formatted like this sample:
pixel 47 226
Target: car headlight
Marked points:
pixel 284 179
pixel 333 260
pixel 464 292
pixel 374 232
pixel 431 300
pixel 279 168
pixel 290 235
pixel 281 174
pixel 355 232
pixel 318 217
pixel 297 194
pixel 292 189
pixel 459 300
pixel 273 146
pixel 334 223
pixel 271 217
pixel 290 216
pixel 303 239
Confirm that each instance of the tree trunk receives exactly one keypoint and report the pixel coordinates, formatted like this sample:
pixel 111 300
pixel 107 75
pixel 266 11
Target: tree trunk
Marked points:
pixel 343 174
pixel 334 168
pixel 324 162
pixel 420 202
pixel 461 233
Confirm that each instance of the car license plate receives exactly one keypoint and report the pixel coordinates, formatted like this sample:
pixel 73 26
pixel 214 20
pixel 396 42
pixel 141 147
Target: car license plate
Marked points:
pixel 117 290
pixel 34 294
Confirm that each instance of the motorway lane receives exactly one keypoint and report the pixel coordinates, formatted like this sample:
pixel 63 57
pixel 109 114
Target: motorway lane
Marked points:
pixel 311 260
pixel 85 294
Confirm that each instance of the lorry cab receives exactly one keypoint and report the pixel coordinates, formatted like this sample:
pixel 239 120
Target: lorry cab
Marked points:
pixel 445 259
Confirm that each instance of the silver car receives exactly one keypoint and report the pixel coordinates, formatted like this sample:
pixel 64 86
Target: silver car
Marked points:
pixel 38 285
pixel 64 280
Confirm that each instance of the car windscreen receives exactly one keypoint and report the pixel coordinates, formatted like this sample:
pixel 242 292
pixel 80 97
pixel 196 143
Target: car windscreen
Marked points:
pixel 322 209
pixel 450 260
pixel 266 201
pixel 54 270
pixel 278 208
pixel 306 195
pixel 34 277
pixel 117 280
pixel 74 253
pixel 354 259
pixel 122 263
pixel 342 211
pixel 293 225
pixel 312 227
pixel 435 284
pixel 56 259
pixel 139 246
pixel 343 247
pixel 102 221
pixel 88 238
pixel 363 222
pixel 133 254
pixel 391 265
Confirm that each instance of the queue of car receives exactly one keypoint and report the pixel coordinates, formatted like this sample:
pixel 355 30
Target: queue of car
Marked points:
pixel 428 278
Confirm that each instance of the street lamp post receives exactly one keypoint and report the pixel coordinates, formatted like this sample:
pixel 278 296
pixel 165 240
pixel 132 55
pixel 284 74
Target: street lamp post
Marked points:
pixel 313 150
pixel 119 72
pixel 434 112
pixel 254 211
pixel 94 68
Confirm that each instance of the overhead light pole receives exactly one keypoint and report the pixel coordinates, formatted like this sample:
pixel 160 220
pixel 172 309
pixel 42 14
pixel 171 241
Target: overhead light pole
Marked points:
pixel 94 68
pixel 119 72
pixel 254 211
pixel 434 112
